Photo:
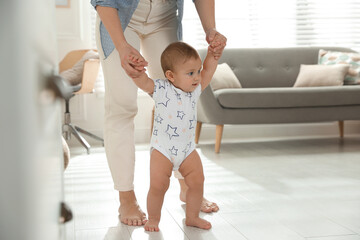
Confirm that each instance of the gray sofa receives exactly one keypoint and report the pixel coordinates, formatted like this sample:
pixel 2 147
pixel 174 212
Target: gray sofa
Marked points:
pixel 267 76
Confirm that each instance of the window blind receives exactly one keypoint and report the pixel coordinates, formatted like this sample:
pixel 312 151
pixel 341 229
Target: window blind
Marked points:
pixel 276 23
pixel 334 23
pixel 280 23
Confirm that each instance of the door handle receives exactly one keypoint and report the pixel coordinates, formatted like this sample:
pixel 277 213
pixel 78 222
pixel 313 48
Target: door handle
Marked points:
pixel 65 213
pixel 59 86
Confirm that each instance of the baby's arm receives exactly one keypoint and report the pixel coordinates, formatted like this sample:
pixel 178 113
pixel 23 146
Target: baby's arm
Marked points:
pixel 142 80
pixel 209 67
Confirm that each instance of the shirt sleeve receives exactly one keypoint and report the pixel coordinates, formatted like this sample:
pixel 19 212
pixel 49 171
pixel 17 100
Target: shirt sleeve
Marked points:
pixel 160 88
pixel 105 3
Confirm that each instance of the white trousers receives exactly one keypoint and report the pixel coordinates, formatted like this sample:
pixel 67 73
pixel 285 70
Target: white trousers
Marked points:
pixel 152 28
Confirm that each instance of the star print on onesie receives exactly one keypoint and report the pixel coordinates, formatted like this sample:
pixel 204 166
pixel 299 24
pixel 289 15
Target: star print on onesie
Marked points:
pixel 174 121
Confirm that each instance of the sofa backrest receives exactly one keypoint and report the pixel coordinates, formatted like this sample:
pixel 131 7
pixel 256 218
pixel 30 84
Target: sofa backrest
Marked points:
pixel 270 67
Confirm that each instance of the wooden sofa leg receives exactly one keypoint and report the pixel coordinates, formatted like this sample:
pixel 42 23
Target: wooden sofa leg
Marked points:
pixel 152 121
pixel 219 132
pixel 341 128
pixel 197 131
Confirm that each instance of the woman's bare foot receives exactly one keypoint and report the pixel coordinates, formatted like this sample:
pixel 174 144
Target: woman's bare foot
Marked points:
pixel 152 225
pixel 130 211
pixel 198 222
pixel 206 205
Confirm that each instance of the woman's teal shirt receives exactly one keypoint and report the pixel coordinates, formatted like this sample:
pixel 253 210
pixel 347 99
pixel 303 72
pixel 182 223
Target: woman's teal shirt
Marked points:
pixel 125 9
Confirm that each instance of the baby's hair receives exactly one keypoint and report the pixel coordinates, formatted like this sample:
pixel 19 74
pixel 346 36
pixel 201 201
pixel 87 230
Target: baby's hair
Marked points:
pixel 176 52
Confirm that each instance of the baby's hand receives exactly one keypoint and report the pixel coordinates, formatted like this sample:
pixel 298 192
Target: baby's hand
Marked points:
pixel 211 53
pixel 137 62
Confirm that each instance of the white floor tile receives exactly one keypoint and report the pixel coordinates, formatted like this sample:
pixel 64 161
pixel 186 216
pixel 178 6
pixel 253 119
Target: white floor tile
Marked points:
pixel 347 237
pixel 258 225
pixel 282 189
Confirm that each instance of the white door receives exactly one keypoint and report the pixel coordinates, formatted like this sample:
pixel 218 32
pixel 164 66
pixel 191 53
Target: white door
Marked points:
pixel 31 167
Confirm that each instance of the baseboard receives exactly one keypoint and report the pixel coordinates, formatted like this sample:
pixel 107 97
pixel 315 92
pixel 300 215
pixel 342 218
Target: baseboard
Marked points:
pixel 252 132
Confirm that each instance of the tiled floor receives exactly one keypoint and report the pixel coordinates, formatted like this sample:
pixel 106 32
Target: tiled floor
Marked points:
pixel 282 190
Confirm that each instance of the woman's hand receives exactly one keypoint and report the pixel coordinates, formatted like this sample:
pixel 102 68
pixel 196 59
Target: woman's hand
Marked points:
pixel 216 41
pixel 136 62
pixel 133 65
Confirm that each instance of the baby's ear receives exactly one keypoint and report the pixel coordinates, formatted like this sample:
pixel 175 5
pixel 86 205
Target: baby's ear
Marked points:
pixel 169 75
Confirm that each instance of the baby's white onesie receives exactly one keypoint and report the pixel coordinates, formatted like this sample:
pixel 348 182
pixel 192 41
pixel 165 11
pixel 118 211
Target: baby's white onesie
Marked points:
pixel 174 121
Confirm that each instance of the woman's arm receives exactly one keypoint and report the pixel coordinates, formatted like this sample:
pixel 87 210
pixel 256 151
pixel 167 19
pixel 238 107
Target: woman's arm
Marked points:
pixel 141 79
pixel 109 17
pixel 206 11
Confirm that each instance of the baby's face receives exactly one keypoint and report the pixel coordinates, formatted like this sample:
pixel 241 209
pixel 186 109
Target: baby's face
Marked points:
pixel 187 75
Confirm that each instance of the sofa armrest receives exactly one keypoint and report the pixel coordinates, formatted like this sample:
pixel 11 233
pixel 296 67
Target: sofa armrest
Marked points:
pixel 209 110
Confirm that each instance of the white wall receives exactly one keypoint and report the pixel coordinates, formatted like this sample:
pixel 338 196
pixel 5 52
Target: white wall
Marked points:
pixel 74 32
pixel 73 27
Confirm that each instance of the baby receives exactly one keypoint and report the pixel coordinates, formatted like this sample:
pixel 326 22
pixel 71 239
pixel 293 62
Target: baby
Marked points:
pixel 173 137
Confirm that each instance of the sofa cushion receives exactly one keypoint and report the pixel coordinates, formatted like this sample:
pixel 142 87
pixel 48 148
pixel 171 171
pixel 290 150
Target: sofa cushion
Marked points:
pixel 269 67
pixel 224 77
pixel 288 97
pixel 335 57
pixel 321 75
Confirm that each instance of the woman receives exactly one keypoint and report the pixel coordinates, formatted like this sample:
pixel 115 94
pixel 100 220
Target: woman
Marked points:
pixel 123 28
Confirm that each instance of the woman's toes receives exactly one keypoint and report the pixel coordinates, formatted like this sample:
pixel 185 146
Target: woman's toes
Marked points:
pixel 206 209
pixel 214 208
pixel 125 221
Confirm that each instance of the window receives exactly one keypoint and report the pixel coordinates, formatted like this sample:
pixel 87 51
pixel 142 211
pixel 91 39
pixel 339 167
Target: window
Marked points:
pixel 280 23
pixel 276 23
pixel 335 23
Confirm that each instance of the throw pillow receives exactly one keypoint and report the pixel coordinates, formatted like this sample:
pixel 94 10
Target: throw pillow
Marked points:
pixel 74 74
pixel 321 75
pixel 353 59
pixel 224 77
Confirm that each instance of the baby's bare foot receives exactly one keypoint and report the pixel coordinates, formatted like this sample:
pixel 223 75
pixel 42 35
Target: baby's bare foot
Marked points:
pixel 206 205
pixel 131 214
pixel 152 225
pixel 198 222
